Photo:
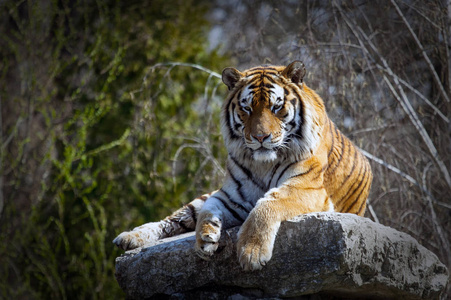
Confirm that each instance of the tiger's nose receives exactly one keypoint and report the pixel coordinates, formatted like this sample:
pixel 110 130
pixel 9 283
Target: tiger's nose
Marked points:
pixel 260 137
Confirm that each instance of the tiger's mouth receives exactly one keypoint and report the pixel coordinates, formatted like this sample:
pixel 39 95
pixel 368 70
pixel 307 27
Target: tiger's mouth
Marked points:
pixel 264 154
pixel 266 151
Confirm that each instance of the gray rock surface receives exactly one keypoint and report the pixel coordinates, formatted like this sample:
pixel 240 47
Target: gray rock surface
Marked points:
pixel 328 255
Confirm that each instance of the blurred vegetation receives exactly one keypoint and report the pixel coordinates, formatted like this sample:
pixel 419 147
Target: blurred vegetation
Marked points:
pixel 108 119
pixel 89 131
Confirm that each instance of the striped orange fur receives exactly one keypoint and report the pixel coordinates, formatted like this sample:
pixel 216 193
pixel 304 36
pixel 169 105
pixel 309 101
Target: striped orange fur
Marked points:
pixel 286 158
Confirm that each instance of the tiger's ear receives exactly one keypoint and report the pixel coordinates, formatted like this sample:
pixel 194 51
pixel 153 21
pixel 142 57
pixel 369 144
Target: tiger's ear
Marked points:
pixel 295 72
pixel 230 76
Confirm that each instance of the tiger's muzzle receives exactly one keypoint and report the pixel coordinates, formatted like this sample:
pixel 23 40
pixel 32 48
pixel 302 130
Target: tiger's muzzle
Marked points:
pixel 264 146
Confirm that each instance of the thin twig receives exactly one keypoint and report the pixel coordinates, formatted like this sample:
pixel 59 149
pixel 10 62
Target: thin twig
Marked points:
pixel 403 100
pixel 423 52
pixel 431 105
pixel 421 14
pixel 195 66
pixel 445 242
pixel 106 147
pixel 365 130
pixel 12 134
pixel 405 104
pixel 405 176
pixel 373 213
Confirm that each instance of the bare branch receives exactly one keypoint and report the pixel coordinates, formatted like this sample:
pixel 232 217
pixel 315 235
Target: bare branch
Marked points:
pixel 105 147
pixel 438 228
pixel 421 14
pixel 419 126
pixel 431 105
pixel 405 176
pixel 195 66
pixel 401 97
pixel 423 52
pixel 373 213
pixel 365 130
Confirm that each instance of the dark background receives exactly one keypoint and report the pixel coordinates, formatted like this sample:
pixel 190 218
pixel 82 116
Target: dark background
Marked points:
pixel 109 118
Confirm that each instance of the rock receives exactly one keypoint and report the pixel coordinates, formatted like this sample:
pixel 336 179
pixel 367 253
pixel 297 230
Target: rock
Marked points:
pixel 330 255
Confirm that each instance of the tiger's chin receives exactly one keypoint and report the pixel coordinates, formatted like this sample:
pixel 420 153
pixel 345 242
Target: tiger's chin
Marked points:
pixel 264 155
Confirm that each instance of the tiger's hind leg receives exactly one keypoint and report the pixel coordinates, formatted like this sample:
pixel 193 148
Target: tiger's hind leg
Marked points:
pixel 182 220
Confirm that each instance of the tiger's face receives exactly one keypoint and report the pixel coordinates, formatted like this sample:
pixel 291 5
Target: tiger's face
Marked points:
pixel 263 114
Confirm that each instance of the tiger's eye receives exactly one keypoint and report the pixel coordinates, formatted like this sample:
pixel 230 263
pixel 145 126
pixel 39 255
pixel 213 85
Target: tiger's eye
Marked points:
pixel 247 109
pixel 275 108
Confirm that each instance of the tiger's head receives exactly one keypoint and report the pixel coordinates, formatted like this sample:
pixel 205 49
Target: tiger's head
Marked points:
pixel 268 114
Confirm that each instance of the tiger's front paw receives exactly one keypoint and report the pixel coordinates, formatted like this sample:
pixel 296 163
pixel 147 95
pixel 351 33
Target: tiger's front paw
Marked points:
pixel 253 255
pixel 138 237
pixel 255 244
pixel 208 232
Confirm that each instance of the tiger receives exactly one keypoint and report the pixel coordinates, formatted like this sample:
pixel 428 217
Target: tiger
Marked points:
pixel 285 158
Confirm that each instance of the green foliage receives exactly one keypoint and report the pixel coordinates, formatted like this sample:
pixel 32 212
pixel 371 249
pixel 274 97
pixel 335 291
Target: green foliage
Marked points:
pixel 89 131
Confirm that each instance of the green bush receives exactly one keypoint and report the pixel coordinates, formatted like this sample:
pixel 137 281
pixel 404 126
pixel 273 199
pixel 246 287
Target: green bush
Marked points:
pixel 90 131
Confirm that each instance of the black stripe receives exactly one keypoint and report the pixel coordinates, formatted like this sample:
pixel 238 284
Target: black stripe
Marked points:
pixel 302 174
pixel 193 211
pixel 263 68
pixel 261 81
pixel 361 207
pixel 358 186
pixel 283 172
pixel 292 123
pixel 358 196
pixel 237 124
pixel 333 139
pixel 273 173
pixel 346 196
pixel 253 86
pixel 240 193
pixel 270 79
pixel 233 212
pixel 227 118
pixel 255 82
pixel 248 174
pixel 320 173
pixel 184 226
pixel 354 163
pixel 251 74
pixel 258 70
pixel 364 188
pixel 343 148
pixel 241 120
pixel 274 170
pixel 286 115
pixel 239 185
pixel 301 119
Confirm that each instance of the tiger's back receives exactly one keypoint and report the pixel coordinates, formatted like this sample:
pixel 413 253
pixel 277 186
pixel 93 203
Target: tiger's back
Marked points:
pixel 348 176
